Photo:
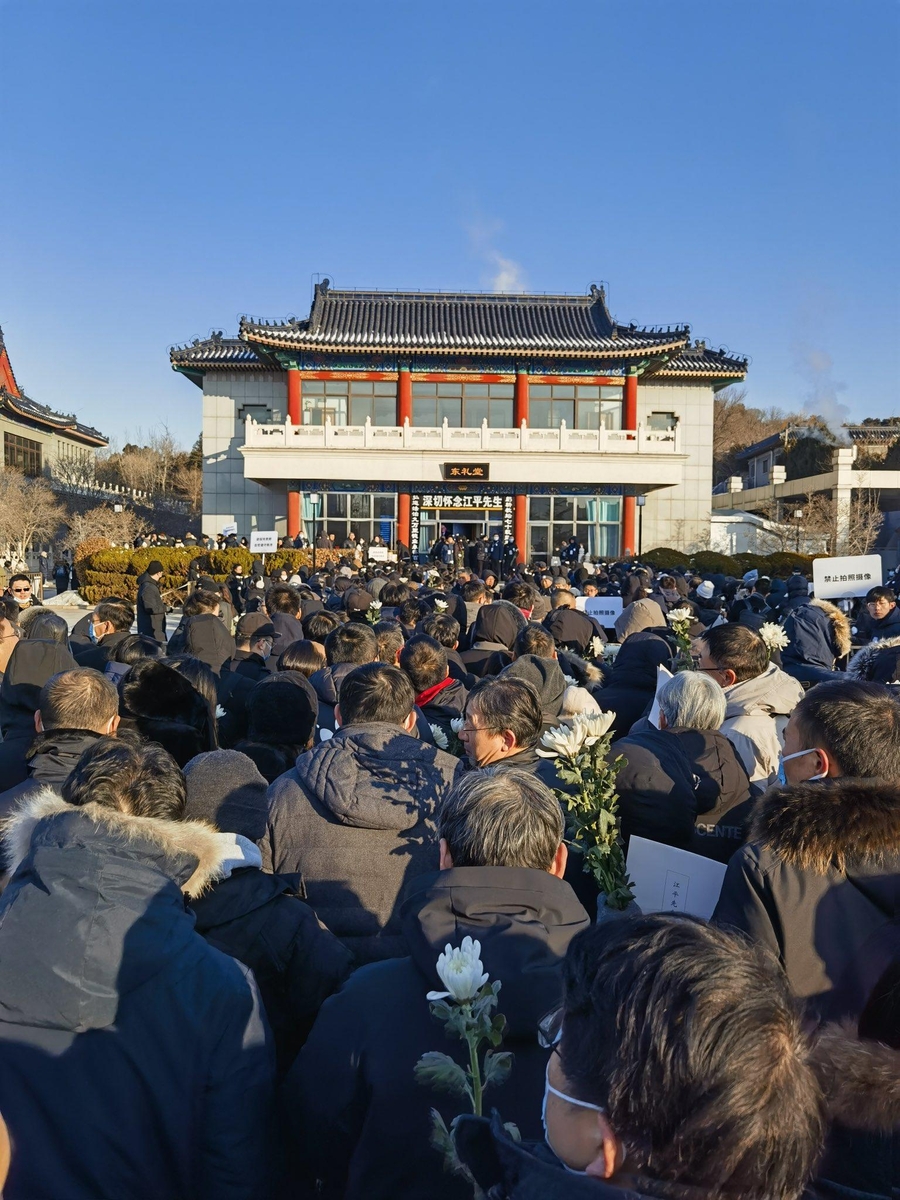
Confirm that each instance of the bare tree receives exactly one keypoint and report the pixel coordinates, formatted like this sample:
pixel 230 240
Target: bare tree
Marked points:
pixel 74 472
pixel 101 522
pixel 736 425
pixel 29 512
pixel 188 481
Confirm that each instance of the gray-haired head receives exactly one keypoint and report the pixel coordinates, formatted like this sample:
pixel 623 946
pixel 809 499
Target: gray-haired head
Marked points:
pixel 691 700
pixel 501 818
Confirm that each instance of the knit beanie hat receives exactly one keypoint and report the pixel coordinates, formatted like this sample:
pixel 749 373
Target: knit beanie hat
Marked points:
pixel 706 590
pixel 154 568
pixel 225 788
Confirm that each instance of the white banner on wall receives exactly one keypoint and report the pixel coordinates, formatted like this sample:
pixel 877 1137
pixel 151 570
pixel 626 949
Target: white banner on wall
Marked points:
pixel 841 578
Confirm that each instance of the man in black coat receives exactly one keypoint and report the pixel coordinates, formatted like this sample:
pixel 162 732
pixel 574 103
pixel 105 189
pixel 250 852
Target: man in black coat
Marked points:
pixel 348 646
pixel 134 1058
pixel 283 606
pixel 151 611
pixel 261 919
pixel 569 628
pixel 632 685
pixel 879 617
pixel 31 664
pixel 109 626
pixel 440 698
pixel 247 666
pixel 359 1116
pixel 75 708
pixel 818 882
pixel 656 788
pixel 356 815
pixel 202 633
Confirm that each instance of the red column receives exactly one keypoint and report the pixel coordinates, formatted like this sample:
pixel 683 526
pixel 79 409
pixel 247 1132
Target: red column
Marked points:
pixel 294 404
pixel 520 524
pixel 403 516
pixel 293 514
pixel 520 404
pixel 404 399
pixel 629 421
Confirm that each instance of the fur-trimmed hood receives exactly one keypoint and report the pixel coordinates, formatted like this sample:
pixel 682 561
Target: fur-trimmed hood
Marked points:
pixel 196 852
pixel 862 664
pixel 840 625
pixel 860 1079
pixel 842 823
pixel 96 908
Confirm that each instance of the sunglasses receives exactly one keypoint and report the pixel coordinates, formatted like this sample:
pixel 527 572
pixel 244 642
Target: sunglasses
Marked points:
pixel 21 591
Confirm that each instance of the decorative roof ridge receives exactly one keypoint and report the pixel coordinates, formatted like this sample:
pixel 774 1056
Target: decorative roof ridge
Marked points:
pixel 62 421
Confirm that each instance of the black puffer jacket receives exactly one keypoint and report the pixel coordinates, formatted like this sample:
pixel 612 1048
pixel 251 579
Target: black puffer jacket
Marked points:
pixel 360 1118
pixel 355 818
pixel 632 685
pixel 722 791
pixel 98 655
pixel 31 664
pixel 151 610
pixel 819 884
pixel 204 637
pixel 134 1058
pixel 656 788
pixel 50 760
pixel 261 920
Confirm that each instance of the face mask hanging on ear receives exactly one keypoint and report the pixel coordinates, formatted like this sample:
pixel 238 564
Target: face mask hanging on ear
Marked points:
pixel 782 778
pixel 550 1090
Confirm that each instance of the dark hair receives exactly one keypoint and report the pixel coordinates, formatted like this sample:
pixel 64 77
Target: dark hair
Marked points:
pixel 133 777
pixel 352 642
pixel 283 598
pixel 521 594
pixel 136 647
pixel 303 656
pixel 376 692
pixel 200 676
pixel 391 636
pixel 534 639
pixel 411 611
pixel 15 579
pixel 282 711
pixel 318 625
pixel 858 724
pixel 875 593
pixel 737 648
pixel 501 818
pixel 78 699
pixel 425 662
pixel 442 627
pixel 473 590
pixel 200 602
pixel 120 616
pixel 690 1039
pixel 44 626
pixel 9 610
pixel 394 594
pixel 507 703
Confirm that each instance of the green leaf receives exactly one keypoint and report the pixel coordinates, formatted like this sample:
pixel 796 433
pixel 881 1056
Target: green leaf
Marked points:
pixel 438 1070
pixel 497 1066
pixel 513 1130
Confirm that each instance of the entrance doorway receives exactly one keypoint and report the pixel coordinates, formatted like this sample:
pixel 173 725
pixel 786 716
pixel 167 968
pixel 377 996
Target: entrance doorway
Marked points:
pixel 470 524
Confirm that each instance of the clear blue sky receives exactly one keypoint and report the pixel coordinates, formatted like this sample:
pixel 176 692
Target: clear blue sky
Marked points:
pixel 168 166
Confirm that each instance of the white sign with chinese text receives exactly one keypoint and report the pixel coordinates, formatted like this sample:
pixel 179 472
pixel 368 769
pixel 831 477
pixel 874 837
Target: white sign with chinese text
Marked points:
pixel 263 542
pixel 841 578
pixel 604 609
pixel 229 529
pixel 665 879
pixel 378 553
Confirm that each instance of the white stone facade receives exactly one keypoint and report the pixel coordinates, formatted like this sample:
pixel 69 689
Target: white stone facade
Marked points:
pixel 228 397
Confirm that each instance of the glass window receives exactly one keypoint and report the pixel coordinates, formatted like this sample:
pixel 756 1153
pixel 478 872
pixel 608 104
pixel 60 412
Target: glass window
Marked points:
pixel 384 409
pixel 360 387
pixel 477 411
pixel 336 504
pixel 588 393
pixel 540 541
pixel 335 387
pixel 450 408
pixel 562 508
pixel 595 406
pixel 540 391
pixel 611 414
pixel 384 506
pixel 502 391
pixel 312 387
pixel 22 453
pixel 539 508
pixel 540 414
pixel 424 389
pixel 662 421
pixel 423 410
pixel 449 389
pixel 611 393
pixel 501 415
pixel 360 505
pixel 386 388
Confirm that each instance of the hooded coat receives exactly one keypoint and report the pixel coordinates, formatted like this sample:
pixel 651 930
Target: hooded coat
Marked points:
pixel 355 817
pixel 638 616
pixel 819 884
pixel 879 662
pixel 287 631
pixel 869 629
pixel 163 707
pixel 360 1117
pixel 99 654
pixel 51 760
pixel 756 713
pixel 134 1058
pixel 546 676
pixel 819 635
pixel 204 637
pixel 572 630
pixel 327 685
pixel 31 664
pixel 441 707
pixel 151 610
pixel 632 683
pixel 492 638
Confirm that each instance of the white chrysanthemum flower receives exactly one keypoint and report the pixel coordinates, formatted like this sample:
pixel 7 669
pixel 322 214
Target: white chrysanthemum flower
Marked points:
pixel 441 605
pixel 679 614
pixel 563 740
pixel 440 738
pixel 456 724
pixel 774 636
pixel 593 726
pixel 376 605
pixel 570 682
pixel 460 972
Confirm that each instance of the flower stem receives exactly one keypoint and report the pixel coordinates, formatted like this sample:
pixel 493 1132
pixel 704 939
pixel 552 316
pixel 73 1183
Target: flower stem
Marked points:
pixel 475 1072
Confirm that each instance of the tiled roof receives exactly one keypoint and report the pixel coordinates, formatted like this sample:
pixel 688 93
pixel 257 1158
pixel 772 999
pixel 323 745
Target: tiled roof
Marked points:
pixel 61 422
pixel 215 349
pixel 701 361
pixel 452 323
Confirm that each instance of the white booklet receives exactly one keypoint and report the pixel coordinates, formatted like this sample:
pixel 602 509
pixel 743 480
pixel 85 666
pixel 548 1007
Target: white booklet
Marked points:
pixel 665 879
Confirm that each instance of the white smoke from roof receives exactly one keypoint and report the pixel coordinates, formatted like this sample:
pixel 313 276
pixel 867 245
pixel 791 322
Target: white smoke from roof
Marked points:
pixel 816 368
pixel 501 274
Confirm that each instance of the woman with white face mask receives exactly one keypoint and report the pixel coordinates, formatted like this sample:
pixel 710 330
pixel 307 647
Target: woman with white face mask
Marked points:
pixel 660 1079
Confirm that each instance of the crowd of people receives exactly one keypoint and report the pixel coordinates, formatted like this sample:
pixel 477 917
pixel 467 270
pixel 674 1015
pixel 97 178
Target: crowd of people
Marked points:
pixel 238 837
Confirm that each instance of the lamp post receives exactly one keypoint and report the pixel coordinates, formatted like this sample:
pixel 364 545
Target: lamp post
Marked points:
pixel 640 501
pixel 314 503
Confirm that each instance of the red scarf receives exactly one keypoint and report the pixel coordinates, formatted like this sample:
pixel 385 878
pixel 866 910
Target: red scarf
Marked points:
pixel 429 694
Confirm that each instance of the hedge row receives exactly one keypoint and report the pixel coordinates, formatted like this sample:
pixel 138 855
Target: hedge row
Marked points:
pixel 779 564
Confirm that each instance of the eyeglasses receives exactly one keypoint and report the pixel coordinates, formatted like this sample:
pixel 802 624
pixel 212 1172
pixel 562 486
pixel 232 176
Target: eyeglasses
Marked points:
pixel 697 667
pixel 549 1030
pixel 21 591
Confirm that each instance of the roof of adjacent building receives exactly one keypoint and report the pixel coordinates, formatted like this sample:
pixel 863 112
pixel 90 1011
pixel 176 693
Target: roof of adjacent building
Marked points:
pixel 436 323
pixel 39 414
